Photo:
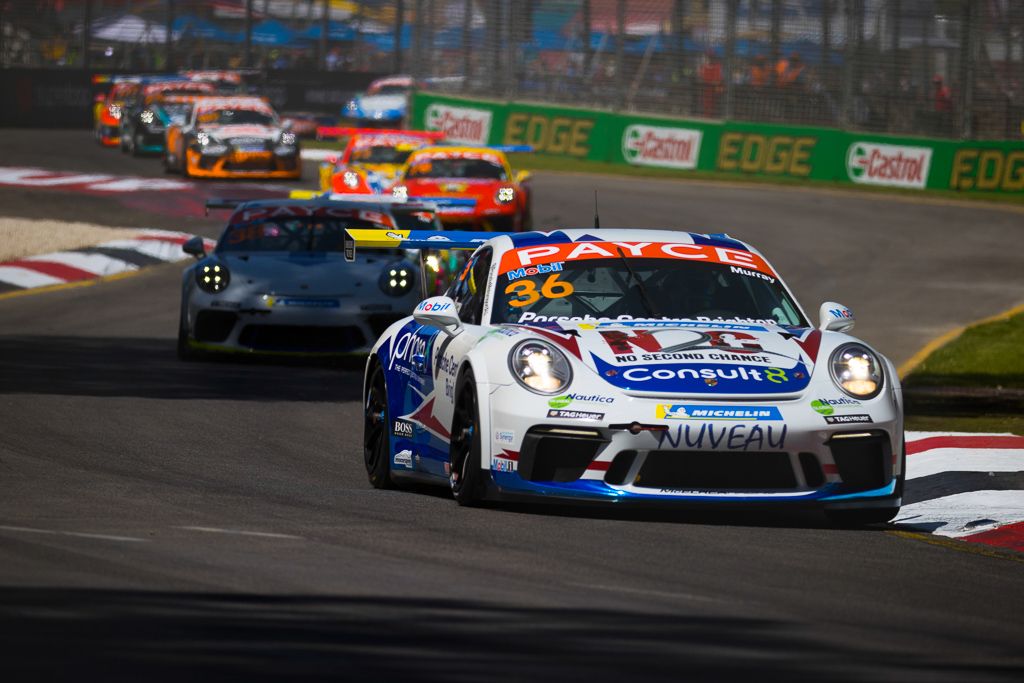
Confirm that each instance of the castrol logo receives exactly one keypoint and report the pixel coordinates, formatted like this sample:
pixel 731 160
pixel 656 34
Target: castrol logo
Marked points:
pixel 868 163
pixel 661 146
pixel 460 124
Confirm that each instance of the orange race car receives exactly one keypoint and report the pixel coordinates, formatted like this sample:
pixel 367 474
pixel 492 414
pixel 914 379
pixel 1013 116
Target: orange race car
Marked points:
pixel 232 137
pixel 372 158
pixel 472 187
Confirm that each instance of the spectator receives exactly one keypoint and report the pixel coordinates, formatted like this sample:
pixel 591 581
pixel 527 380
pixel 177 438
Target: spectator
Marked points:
pixel 710 77
pixel 943 101
pixel 791 72
pixel 760 73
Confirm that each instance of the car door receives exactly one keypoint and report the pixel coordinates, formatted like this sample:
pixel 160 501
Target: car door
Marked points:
pixel 443 355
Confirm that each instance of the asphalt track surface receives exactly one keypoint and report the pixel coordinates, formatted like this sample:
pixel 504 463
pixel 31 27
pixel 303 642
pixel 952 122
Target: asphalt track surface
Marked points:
pixel 211 521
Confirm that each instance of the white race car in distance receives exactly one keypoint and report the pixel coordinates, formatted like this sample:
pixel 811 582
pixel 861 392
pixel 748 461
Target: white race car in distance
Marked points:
pixel 630 366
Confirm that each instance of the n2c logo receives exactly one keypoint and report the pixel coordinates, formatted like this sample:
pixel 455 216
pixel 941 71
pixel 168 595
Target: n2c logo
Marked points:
pixel 527 294
pixel 774 155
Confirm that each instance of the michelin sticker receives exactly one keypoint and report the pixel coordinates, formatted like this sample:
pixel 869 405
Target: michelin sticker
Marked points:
pixel 695 412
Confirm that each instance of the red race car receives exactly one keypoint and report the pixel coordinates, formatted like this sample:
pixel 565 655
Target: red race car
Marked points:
pixel 472 187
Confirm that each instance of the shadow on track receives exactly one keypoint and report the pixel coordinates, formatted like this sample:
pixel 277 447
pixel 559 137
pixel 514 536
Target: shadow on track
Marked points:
pixel 66 634
pixel 148 368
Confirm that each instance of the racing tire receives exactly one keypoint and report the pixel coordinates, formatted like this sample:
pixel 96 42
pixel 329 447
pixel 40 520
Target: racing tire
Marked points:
pixel 858 518
pixel 184 350
pixel 466 478
pixel 376 442
pixel 123 144
pixel 134 146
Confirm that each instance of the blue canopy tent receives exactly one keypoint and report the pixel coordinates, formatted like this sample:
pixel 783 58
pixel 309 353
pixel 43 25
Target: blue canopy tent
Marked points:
pixel 190 26
pixel 275 34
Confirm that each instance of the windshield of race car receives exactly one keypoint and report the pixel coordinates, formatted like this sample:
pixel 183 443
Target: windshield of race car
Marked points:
pixel 227 117
pixel 389 90
pixel 176 112
pixel 292 234
pixel 380 154
pixel 691 283
pixel 458 167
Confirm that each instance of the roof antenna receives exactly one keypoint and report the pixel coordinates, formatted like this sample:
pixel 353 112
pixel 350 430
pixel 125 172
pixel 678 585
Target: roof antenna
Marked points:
pixel 597 219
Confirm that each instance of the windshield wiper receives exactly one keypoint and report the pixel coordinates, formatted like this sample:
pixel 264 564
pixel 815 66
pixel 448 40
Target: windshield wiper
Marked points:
pixel 639 285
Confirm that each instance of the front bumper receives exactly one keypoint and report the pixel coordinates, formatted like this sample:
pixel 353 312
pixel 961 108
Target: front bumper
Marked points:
pixel 793 461
pixel 264 165
pixel 306 326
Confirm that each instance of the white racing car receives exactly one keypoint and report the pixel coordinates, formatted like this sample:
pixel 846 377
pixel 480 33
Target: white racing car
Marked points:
pixel 277 281
pixel 629 365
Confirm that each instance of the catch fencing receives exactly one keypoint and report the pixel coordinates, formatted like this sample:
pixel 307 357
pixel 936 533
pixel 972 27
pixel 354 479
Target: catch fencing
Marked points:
pixel 940 68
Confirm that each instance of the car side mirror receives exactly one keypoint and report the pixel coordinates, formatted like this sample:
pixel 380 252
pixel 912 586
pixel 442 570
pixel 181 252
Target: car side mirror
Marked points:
pixel 194 247
pixel 439 312
pixel 835 317
pixel 522 176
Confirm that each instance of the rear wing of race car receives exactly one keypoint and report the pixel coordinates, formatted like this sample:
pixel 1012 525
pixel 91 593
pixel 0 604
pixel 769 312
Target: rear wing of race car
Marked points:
pixel 337 132
pixel 413 239
pixel 223 203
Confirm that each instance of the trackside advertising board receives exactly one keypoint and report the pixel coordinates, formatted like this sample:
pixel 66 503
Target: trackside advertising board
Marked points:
pixel 801 152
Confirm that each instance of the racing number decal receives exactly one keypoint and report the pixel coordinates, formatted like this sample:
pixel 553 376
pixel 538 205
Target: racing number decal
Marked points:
pixel 527 293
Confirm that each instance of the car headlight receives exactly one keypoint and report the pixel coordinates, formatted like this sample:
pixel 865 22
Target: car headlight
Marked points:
pixel 203 138
pixel 351 179
pixel 212 277
pixel 857 371
pixel 146 117
pixel 505 195
pixel 400 192
pixel 540 367
pixel 288 139
pixel 115 111
pixel 398 278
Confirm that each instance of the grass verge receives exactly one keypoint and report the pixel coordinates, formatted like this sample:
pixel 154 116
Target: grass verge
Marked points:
pixel 974 383
pixel 544 162
pixel 986 355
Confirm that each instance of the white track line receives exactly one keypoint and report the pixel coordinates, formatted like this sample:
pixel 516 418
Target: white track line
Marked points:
pixel 23 277
pixel 239 532
pixel 940 460
pixel 100 264
pixel 952 514
pixel 76 534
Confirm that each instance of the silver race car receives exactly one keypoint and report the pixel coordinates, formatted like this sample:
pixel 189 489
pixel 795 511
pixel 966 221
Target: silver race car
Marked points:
pixel 278 283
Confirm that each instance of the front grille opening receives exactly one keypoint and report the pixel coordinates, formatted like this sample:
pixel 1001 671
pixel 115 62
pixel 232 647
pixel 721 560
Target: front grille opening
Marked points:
pixel 619 469
pixel 302 338
pixel 813 474
pixel 549 456
pixel 214 326
pixel 716 471
pixel 864 463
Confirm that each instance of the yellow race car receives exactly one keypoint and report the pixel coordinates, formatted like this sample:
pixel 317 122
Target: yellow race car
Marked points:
pixel 372 158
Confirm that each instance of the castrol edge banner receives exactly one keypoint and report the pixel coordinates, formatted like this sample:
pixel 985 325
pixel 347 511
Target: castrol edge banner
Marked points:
pixel 661 146
pixel 870 163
